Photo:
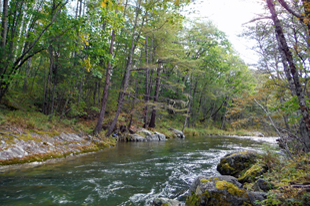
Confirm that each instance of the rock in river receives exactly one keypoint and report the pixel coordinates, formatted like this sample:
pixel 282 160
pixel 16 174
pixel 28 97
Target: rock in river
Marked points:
pixel 222 190
pixel 166 202
pixel 233 164
pixel 177 133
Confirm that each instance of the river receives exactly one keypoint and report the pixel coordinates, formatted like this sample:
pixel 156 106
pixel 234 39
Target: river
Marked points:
pixel 128 174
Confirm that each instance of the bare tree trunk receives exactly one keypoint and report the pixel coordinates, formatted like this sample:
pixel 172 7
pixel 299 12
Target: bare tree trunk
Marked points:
pixel 153 115
pixel 25 86
pixel 193 100
pixel 146 98
pixel 133 101
pixel 127 75
pixel 4 28
pixel 189 104
pixel 224 117
pixel 293 71
pixel 98 127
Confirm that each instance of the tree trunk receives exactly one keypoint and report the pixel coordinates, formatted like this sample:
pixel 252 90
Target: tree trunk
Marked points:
pixel 189 104
pixel 293 71
pixel 146 98
pixel 193 100
pixel 27 70
pixel 153 115
pixel 133 101
pixel 4 28
pixel 98 127
pixel 121 99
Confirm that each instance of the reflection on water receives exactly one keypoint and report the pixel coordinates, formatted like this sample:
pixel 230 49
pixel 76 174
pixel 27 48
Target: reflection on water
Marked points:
pixel 129 174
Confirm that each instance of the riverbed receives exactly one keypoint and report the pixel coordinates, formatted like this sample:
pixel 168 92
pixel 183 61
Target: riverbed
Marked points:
pixel 128 174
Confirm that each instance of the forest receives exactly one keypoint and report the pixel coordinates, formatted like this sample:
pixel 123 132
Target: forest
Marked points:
pixel 144 63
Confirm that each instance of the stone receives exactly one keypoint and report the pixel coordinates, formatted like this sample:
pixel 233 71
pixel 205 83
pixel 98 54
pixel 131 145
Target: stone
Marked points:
pixel 177 133
pixel 227 178
pixel 234 163
pixel 166 202
pixel 152 137
pixel 136 138
pixel 161 137
pixel 222 190
pixel 263 185
pixel 145 132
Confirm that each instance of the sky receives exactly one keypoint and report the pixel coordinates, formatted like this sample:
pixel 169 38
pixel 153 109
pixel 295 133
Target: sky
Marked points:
pixel 228 16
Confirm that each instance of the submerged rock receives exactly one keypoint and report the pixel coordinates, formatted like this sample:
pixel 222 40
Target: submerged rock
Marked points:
pixel 166 202
pixel 222 190
pixel 233 164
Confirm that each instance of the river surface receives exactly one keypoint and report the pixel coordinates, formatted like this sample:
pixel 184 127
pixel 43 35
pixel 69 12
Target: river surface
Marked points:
pixel 129 174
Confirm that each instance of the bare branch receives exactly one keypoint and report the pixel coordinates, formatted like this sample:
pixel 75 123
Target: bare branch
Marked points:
pixel 257 19
pixel 289 9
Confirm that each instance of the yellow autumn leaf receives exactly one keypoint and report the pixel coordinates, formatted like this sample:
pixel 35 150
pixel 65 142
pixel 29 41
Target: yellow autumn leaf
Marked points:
pixel 104 3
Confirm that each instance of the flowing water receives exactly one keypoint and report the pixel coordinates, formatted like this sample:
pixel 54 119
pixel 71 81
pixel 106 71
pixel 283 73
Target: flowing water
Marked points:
pixel 129 174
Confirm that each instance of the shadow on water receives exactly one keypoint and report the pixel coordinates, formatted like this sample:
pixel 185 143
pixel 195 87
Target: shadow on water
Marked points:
pixel 129 174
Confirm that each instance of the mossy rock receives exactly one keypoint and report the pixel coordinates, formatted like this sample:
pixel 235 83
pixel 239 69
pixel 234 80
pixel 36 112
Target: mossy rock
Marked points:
pixel 233 164
pixel 263 185
pixel 251 174
pixel 223 190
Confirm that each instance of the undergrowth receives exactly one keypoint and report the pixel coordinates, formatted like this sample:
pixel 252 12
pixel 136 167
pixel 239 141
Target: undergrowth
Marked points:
pixel 290 176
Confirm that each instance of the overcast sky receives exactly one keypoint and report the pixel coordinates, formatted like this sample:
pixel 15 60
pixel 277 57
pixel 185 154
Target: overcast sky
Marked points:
pixel 228 16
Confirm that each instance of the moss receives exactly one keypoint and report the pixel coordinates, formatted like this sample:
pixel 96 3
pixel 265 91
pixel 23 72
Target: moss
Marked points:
pixel 204 180
pixel 206 194
pixel 231 188
pixel 226 166
pixel 251 174
pixel 246 152
pixel 192 200
pixel 49 133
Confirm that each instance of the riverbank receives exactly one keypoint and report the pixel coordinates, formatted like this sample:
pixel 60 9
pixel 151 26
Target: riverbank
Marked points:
pixel 39 146
pixel 250 178
pixel 33 137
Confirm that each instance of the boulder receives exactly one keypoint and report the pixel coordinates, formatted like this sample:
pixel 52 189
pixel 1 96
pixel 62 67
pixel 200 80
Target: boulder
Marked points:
pixel 161 137
pixel 152 137
pixel 145 132
pixel 234 163
pixel 177 133
pixel 135 138
pixel 263 185
pixel 251 174
pixel 149 136
pixel 166 202
pixel 227 178
pixel 222 190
